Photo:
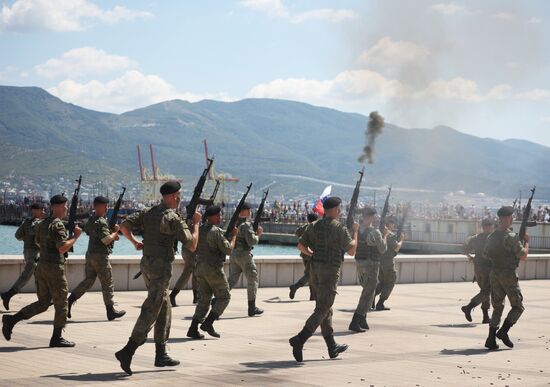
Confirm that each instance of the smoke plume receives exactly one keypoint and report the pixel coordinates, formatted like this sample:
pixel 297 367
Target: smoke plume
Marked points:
pixel 374 128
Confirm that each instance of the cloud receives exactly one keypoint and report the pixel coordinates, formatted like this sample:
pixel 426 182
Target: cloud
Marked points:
pixel 83 61
pixel 389 52
pixel 131 90
pixel 546 119
pixel 60 15
pixel 503 16
pixel 535 95
pixel 447 8
pixel 535 20
pixel 276 9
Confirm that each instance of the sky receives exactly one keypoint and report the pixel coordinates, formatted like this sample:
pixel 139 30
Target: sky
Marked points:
pixel 481 67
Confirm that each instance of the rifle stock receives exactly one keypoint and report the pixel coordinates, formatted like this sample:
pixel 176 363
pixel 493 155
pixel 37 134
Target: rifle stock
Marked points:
pixel 235 217
pixel 354 199
pixel 526 213
pixel 385 210
pixel 72 212
pixel 258 218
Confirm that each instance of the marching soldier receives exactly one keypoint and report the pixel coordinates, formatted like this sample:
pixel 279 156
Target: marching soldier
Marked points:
pixel 387 275
pixel 26 233
pixel 188 268
pixel 482 271
pixel 371 244
pixel 161 226
pixel 211 252
pixel 311 217
pixel 325 241
pixel 242 261
pixel 100 245
pixel 51 283
pixel 505 250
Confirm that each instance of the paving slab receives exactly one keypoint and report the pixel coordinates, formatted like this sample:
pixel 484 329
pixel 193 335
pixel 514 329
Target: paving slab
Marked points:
pixel 423 340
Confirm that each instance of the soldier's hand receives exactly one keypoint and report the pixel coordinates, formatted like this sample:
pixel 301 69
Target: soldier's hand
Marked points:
pixel 526 238
pixel 259 231
pixel 77 231
pixel 197 217
pixel 116 228
pixel 385 232
pixel 138 245
pixel 117 237
pixel 355 227
pixel 402 237
pixel 234 232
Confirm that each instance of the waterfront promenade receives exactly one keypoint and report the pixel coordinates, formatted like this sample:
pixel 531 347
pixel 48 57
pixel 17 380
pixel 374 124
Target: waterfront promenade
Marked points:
pixel 423 341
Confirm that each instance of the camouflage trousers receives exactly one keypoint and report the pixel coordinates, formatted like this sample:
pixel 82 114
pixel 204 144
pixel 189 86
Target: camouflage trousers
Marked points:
pixel 188 269
pixel 324 280
pixel 155 310
pixel 243 262
pixel 483 280
pixel 304 280
pixel 505 283
pixel 51 286
pixel 31 260
pixel 212 281
pixel 387 276
pixel 97 266
pixel 367 271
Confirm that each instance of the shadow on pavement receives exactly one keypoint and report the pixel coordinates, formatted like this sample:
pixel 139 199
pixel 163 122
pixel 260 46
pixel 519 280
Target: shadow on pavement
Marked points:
pixel 68 322
pixel 465 325
pixel 18 349
pixel 465 351
pixel 108 376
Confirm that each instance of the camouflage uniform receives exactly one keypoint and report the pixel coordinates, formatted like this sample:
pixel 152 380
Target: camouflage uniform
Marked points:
pixel 241 260
pixel 328 239
pixel 482 270
pixel 370 246
pixel 304 280
pixel 188 269
pixel 51 284
pixel 97 260
pixel 211 251
pixel 504 249
pixel 161 227
pixel 387 275
pixel 27 233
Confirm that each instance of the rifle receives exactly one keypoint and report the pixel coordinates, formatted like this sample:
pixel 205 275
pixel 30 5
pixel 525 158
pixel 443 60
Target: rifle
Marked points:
pixel 526 213
pixel 215 192
pixel 114 215
pixel 385 211
pixel 235 217
pixel 258 218
pixel 72 212
pixel 401 225
pixel 354 200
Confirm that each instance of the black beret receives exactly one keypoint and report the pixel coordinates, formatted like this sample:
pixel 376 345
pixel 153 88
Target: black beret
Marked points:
pixel 391 220
pixel 212 210
pixel 37 206
pixel 487 222
pixel 331 202
pixel 505 211
pixel 101 200
pixel 246 206
pixel 170 187
pixel 58 199
pixel 368 210
pixel 312 217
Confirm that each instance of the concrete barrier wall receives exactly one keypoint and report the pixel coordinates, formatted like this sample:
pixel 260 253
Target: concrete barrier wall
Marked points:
pixel 285 270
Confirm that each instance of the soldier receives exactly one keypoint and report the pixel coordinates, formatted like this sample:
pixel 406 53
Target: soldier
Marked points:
pixel 188 268
pixel 242 261
pixel 211 252
pixel 100 245
pixel 505 250
pixel 26 233
pixel 482 270
pixel 325 241
pixel 51 284
pixel 311 217
pixel 161 227
pixel 387 274
pixel 370 247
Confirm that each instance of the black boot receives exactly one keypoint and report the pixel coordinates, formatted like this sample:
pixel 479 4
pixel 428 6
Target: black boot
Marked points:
pixel 373 306
pixel 292 292
pixel 252 309
pixel 467 309
pixel 112 313
pixel 8 322
pixel 363 322
pixel 161 357
pixel 354 325
pixel 193 331
pixel 491 342
pixel 195 296
pixel 124 356
pixel 334 349
pixel 208 324
pixel 486 318
pixel 7 296
pixel 297 342
pixel 380 305
pixel 502 334
pixel 173 295
pixel 71 300
pixel 58 341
